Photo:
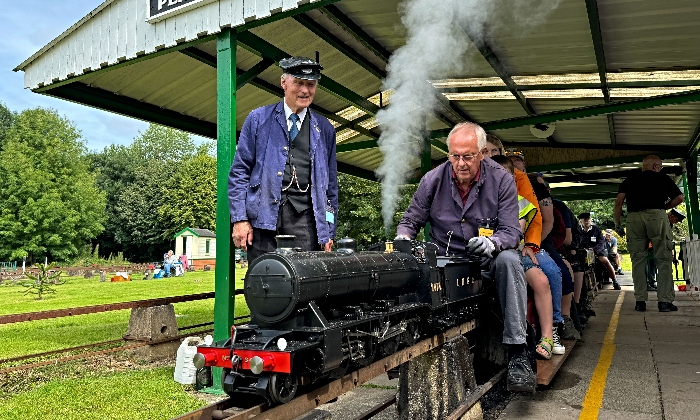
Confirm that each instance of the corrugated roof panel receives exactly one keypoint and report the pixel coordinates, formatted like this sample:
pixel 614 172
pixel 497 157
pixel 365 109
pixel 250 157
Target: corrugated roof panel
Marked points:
pixel 650 34
pixel 670 125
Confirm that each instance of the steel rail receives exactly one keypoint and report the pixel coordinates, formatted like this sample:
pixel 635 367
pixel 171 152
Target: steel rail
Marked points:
pixel 83 310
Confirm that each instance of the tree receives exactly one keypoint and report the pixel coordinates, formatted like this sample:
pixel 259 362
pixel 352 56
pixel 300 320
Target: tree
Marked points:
pixel 44 281
pixel 7 118
pixel 193 201
pixel 140 183
pixel 360 215
pixel 49 204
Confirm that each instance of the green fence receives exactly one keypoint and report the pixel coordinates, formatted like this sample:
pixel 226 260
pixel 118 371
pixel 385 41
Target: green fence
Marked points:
pixel 8 265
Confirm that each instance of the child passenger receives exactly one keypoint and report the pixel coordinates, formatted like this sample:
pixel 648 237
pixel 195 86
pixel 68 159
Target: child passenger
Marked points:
pixel 537 280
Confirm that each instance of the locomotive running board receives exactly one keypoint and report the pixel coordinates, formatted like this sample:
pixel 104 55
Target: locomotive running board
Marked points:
pixel 305 403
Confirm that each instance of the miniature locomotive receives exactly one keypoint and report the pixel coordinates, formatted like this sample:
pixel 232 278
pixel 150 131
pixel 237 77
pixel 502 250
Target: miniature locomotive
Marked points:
pixel 315 315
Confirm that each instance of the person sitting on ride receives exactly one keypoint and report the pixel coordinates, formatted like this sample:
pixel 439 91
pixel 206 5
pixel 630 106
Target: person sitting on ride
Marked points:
pixel 549 342
pixel 170 259
pixel 611 249
pixel 471 203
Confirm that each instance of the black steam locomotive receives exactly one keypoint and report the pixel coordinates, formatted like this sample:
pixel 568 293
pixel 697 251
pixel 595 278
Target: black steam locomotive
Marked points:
pixel 315 315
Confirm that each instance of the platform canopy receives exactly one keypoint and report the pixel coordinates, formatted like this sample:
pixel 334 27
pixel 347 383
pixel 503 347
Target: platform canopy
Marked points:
pixel 619 80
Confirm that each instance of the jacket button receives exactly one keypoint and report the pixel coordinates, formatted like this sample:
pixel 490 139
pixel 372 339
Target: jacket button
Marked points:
pixel 285 148
pixel 462 220
pixel 274 202
pixel 279 173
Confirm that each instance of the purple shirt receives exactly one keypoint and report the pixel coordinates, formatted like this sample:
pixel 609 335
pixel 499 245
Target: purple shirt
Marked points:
pixel 437 201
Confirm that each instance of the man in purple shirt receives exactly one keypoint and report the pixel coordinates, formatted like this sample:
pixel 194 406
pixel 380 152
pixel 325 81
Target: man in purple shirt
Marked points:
pixel 459 199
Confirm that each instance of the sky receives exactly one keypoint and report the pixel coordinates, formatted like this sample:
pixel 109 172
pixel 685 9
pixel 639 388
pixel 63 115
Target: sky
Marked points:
pixel 25 27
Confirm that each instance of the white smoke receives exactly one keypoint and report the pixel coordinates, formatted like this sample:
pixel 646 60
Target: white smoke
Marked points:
pixel 436 48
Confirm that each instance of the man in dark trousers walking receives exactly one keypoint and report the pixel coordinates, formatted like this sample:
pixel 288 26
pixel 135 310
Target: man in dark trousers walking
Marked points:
pixel 649 194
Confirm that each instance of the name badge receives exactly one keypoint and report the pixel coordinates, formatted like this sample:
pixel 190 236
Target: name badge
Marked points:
pixel 330 217
pixel 593 239
pixel 485 232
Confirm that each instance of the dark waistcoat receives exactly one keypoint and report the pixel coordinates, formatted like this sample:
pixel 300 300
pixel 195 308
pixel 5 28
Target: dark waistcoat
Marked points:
pixel 299 158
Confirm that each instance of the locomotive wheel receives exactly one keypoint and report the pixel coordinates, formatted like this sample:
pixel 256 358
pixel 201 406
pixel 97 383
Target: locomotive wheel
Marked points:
pixel 282 388
pixel 412 333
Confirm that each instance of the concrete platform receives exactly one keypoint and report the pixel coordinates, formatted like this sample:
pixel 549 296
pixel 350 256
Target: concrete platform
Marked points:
pixel 648 366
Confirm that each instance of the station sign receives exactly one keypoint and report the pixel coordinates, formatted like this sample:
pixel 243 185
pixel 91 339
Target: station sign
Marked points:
pixel 161 9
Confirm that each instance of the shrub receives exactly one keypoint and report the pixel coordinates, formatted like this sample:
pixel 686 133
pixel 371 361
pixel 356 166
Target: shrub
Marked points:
pixel 44 281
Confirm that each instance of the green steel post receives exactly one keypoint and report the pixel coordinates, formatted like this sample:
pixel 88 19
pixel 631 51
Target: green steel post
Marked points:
pixel 224 285
pixel 687 200
pixel 692 202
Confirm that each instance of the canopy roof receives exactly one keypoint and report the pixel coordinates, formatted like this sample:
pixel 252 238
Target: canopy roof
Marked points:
pixel 620 80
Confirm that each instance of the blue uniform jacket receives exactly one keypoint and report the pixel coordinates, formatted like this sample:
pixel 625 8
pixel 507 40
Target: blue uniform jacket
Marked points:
pixel 255 179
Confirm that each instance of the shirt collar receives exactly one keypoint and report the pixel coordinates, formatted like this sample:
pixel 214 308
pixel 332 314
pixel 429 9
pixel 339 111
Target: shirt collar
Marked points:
pixel 288 112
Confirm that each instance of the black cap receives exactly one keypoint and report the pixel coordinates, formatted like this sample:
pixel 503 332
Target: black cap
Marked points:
pixel 301 68
pixel 680 216
pixel 584 216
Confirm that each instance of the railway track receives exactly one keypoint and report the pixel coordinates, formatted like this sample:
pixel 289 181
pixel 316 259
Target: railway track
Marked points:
pixel 303 404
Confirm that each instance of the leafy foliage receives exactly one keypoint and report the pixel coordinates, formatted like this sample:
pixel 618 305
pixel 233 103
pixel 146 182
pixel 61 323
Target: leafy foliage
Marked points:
pixel 193 201
pixel 44 281
pixel 7 118
pixel 49 204
pixel 159 185
pixel 360 215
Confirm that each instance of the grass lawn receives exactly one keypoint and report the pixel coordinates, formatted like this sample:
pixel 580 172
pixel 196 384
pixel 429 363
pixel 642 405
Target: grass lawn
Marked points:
pixel 96 389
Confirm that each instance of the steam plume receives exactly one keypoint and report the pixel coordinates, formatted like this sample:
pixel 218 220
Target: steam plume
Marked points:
pixel 436 48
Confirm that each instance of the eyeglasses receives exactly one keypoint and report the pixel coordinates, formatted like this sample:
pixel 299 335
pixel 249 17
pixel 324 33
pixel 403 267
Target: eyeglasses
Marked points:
pixel 466 158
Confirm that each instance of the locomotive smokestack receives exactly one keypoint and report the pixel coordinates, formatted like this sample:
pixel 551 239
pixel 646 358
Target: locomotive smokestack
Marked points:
pixel 285 243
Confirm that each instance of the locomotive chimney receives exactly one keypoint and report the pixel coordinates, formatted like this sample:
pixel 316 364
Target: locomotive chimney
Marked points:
pixel 285 243
pixel 347 246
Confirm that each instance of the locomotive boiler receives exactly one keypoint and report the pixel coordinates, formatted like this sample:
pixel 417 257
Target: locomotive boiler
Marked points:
pixel 315 315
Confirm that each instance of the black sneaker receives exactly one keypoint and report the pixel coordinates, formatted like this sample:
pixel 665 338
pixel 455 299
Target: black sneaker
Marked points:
pixel 521 377
pixel 616 285
pixel 641 306
pixel 667 307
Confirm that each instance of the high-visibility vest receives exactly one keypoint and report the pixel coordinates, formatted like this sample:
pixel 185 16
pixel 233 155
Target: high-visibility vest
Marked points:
pixel 526 210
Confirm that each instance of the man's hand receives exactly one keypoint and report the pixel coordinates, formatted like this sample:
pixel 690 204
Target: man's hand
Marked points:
pixel 530 253
pixel 401 236
pixel 242 234
pixel 481 245
pixel 328 246
pixel 620 231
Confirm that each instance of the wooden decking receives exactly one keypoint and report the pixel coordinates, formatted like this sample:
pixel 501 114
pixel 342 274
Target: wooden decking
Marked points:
pixel 546 369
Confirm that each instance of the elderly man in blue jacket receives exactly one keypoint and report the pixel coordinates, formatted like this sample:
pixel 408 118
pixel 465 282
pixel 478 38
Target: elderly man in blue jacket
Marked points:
pixel 471 204
pixel 284 178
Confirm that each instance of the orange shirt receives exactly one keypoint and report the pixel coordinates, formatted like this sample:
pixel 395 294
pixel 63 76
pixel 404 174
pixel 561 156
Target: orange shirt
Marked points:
pixel 533 234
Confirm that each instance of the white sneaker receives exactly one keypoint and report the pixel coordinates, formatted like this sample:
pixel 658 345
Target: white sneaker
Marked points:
pixel 557 348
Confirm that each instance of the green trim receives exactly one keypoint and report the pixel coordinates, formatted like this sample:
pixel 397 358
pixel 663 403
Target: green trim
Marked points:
pixel 127 63
pixel 358 145
pixel 225 149
pixel 594 23
pixel 694 142
pixel 491 58
pixel 339 45
pixel 282 15
pixel 356 31
pixel 259 46
pixel 253 72
pixel 439 145
pixel 186 230
pixel 587 192
pixel 598 162
pixel 590 111
pixel 686 195
pixel 102 99
pixel 357 172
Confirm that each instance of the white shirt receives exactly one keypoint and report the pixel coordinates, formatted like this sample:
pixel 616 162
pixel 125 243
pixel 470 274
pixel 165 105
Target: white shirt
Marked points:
pixel 288 112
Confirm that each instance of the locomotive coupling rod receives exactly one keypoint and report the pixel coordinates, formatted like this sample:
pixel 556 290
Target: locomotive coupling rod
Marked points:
pixel 305 403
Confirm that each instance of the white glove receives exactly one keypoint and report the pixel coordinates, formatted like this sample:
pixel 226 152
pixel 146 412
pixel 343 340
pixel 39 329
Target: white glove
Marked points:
pixel 481 245
pixel 402 236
